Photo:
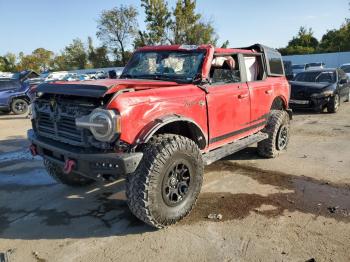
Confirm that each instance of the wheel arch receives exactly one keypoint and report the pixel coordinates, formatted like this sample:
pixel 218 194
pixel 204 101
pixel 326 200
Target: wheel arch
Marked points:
pixel 280 103
pixel 174 124
pixel 22 96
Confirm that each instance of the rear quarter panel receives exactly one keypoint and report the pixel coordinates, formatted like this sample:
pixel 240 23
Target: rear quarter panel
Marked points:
pixel 281 88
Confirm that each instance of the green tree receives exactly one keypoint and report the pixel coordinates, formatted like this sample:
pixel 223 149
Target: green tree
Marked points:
pixel 43 57
pixel 225 44
pixel 303 43
pixel 8 62
pixel 181 26
pixel 117 28
pixel 188 27
pixel 59 63
pixel 75 55
pixel 98 57
pixel 158 21
pixel 39 60
pixel 337 40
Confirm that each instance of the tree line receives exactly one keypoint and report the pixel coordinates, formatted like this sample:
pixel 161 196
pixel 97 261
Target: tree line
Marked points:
pixel 335 40
pixel 118 31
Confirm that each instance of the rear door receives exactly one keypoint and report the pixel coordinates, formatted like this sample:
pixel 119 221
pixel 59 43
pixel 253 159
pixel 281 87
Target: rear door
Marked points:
pixel 228 105
pixel 260 89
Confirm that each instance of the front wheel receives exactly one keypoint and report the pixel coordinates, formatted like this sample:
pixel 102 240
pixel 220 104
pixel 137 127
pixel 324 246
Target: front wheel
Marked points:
pixel 278 130
pixel 166 185
pixel 333 104
pixel 19 106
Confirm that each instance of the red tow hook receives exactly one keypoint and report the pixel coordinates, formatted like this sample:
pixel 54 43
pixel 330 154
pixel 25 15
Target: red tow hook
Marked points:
pixel 68 166
pixel 33 150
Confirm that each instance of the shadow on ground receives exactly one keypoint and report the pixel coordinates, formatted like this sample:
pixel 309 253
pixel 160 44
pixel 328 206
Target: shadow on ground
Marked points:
pixel 53 211
pixel 14 143
pixel 304 194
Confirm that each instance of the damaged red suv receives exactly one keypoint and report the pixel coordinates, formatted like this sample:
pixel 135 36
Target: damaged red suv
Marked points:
pixel 174 110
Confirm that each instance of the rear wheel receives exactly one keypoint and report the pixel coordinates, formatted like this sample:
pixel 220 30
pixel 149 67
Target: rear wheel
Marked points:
pixel 278 130
pixel 333 104
pixel 72 179
pixel 19 106
pixel 165 186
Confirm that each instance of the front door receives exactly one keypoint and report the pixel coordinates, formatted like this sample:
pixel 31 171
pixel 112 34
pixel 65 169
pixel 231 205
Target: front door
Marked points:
pixel 228 104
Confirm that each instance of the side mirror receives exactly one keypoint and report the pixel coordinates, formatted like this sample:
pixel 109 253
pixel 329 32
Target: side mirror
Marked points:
pixel 343 81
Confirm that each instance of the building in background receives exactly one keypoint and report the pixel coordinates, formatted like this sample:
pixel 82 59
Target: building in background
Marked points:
pixel 331 60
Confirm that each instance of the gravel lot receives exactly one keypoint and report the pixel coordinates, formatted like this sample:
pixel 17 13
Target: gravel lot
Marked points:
pixel 293 208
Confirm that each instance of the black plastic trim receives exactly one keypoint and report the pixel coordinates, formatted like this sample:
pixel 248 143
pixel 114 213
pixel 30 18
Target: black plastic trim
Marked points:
pixel 237 132
pixel 123 163
pixel 73 89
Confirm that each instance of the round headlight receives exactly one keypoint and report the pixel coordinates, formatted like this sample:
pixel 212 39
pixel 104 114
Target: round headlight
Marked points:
pixel 102 125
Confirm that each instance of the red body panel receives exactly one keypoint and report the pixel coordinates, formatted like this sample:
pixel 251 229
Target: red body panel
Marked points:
pixel 262 94
pixel 228 111
pixel 138 109
pixel 224 113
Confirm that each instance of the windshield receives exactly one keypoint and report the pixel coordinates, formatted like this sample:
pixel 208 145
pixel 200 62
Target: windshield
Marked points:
pixel 298 66
pixel 346 68
pixel 316 77
pixel 16 76
pixel 181 66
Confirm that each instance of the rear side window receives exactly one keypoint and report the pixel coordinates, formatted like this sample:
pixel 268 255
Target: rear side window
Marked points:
pixel 5 85
pixel 254 68
pixel 274 63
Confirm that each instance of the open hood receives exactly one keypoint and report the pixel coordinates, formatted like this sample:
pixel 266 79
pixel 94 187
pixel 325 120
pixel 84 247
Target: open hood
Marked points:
pixel 100 88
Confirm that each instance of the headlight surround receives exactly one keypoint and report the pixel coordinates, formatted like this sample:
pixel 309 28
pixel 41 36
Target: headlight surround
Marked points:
pixel 323 94
pixel 103 124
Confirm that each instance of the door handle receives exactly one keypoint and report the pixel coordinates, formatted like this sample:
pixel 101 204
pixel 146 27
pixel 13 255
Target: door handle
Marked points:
pixel 242 96
pixel 268 92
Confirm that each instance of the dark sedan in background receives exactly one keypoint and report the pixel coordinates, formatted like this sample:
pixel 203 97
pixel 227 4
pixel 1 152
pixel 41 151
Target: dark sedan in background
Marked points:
pixel 320 89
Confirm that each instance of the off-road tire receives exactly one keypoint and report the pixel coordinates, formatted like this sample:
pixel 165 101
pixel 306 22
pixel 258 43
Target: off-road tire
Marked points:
pixel 278 122
pixel 19 106
pixel 333 104
pixel 72 179
pixel 144 188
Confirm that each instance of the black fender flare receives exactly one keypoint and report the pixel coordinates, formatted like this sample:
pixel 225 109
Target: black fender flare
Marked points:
pixel 22 96
pixel 150 129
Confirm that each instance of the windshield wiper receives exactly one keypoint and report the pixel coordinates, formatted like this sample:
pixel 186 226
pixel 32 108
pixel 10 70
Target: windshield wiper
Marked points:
pixel 161 78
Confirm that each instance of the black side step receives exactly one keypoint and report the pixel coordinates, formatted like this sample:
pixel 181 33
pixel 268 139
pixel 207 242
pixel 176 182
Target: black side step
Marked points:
pixel 233 147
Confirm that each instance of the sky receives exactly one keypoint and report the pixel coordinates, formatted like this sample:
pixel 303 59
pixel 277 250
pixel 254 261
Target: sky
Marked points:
pixel 26 25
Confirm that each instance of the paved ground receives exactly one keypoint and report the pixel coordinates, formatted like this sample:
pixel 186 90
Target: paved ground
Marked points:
pixel 293 208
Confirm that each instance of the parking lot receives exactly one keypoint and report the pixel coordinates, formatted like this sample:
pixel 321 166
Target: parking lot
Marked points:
pixel 292 208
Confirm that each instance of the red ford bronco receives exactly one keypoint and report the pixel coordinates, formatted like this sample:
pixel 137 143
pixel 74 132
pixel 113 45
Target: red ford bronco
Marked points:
pixel 174 110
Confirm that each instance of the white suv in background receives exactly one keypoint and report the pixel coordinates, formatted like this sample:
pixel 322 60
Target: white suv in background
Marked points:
pixel 313 66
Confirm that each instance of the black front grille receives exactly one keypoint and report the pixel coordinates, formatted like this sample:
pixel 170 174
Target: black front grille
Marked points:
pixel 58 122
pixel 300 95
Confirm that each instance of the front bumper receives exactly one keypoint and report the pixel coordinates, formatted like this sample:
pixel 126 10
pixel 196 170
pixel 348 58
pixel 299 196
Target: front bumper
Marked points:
pixel 91 164
pixel 4 107
pixel 312 102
